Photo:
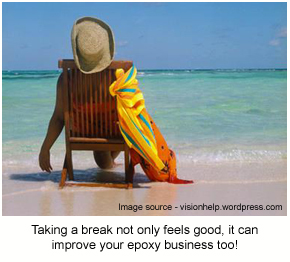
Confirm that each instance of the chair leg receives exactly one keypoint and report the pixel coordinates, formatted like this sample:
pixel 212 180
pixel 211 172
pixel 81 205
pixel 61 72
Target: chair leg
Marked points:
pixel 129 172
pixel 63 174
pixel 70 165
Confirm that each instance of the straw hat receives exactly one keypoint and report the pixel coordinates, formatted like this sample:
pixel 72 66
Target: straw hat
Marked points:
pixel 93 44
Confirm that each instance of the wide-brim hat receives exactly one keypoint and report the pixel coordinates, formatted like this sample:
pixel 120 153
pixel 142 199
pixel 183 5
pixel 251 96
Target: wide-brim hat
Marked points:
pixel 93 44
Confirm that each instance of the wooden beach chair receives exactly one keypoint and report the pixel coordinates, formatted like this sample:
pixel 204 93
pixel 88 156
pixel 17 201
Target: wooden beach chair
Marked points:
pixel 91 121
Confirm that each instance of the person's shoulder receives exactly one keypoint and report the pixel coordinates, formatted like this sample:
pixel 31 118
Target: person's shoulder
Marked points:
pixel 60 78
pixel 60 81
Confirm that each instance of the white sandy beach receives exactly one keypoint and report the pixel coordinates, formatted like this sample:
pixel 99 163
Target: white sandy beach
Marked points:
pixel 27 191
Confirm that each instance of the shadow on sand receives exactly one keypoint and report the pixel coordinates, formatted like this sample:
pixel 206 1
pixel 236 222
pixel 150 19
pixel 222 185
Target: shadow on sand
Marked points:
pixel 89 175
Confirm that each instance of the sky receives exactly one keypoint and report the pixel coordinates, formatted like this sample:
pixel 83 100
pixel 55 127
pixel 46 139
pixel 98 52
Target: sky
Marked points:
pixel 154 35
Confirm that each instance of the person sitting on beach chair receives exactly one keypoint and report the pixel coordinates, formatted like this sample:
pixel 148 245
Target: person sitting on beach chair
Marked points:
pixel 147 145
pixel 104 159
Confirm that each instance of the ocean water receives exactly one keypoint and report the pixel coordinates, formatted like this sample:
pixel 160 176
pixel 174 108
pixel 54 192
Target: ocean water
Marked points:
pixel 205 115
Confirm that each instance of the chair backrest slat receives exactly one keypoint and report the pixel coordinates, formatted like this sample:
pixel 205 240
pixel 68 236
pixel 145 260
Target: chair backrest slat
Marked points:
pixel 71 103
pixel 75 91
pixel 91 96
pixel 97 83
pixel 80 82
pixel 105 103
pixel 110 104
pixel 89 109
pixel 86 103
pixel 100 103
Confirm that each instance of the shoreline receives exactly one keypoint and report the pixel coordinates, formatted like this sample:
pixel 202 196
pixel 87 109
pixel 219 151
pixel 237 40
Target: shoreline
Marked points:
pixel 229 183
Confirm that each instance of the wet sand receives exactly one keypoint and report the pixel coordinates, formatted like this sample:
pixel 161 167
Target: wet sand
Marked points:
pixel 29 192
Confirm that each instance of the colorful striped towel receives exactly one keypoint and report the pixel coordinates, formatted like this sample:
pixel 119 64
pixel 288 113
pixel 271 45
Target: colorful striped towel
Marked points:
pixel 134 121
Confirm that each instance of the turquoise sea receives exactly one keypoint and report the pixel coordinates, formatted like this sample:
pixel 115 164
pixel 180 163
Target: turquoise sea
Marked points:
pixel 205 115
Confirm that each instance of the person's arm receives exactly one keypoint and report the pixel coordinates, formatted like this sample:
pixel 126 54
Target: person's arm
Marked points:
pixel 54 129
